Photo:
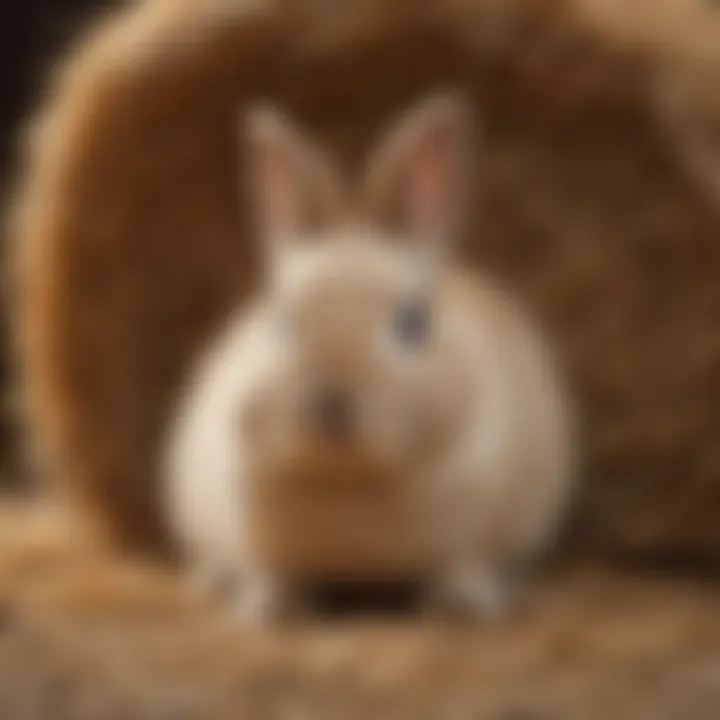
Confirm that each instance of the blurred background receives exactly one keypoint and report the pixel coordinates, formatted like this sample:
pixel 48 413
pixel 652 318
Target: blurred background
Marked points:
pixel 32 36
pixel 599 204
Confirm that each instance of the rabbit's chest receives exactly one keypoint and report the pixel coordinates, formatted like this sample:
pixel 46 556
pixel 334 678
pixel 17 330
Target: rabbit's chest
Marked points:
pixel 345 532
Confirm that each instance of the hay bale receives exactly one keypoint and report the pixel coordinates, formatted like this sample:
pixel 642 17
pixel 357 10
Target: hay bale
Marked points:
pixel 133 240
pixel 86 634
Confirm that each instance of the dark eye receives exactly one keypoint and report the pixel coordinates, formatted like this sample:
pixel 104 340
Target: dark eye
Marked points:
pixel 412 323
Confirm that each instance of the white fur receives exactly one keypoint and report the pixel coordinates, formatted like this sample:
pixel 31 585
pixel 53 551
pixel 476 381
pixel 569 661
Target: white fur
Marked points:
pixel 467 502
pixel 204 459
pixel 483 408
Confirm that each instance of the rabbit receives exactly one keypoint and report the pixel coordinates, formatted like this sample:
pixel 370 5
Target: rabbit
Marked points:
pixel 377 413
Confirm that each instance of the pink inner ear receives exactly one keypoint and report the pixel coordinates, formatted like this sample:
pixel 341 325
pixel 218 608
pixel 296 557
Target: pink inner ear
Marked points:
pixel 430 183
pixel 277 192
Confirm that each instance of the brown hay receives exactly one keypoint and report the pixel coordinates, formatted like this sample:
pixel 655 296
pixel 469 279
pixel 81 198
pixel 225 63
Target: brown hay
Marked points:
pixel 132 239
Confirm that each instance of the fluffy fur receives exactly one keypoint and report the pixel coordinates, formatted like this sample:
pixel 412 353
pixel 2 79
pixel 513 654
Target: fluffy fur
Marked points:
pixel 457 463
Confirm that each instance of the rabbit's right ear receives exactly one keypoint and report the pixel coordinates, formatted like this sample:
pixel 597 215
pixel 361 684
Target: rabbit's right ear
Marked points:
pixel 420 170
pixel 294 188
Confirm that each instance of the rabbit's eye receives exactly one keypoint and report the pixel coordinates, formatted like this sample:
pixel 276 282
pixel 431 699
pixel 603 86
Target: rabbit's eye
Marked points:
pixel 412 323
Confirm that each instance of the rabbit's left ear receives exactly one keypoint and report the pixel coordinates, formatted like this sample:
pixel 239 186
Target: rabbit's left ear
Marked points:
pixel 420 169
pixel 295 187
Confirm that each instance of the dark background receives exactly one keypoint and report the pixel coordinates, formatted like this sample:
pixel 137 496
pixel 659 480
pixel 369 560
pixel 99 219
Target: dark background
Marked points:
pixel 32 32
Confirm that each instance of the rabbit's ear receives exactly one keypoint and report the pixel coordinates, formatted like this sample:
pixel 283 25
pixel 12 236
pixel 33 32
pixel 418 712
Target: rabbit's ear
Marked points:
pixel 419 171
pixel 293 186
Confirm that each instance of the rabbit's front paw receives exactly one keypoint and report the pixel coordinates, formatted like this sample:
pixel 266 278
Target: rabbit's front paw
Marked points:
pixel 472 591
pixel 261 600
pixel 207 580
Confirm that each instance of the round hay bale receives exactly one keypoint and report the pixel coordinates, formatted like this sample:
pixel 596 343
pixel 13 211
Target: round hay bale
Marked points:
pixel 133 238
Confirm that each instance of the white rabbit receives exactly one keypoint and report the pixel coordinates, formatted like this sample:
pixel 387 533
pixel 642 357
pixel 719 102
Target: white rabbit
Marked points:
pixel 378 413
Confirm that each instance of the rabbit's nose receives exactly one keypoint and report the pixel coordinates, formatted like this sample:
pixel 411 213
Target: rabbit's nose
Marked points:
pixel 333 413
